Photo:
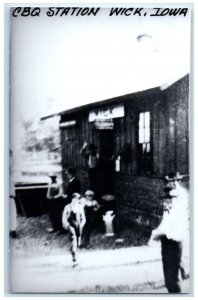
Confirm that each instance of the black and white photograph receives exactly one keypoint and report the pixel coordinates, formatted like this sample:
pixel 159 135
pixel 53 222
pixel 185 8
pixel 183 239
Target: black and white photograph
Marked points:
pixel 99 157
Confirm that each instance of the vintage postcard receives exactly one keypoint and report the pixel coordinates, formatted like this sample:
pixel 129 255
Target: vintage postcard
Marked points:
pixel 99 196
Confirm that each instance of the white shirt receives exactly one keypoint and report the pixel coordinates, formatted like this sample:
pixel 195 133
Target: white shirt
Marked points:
pixel 175 222
pixel 76 208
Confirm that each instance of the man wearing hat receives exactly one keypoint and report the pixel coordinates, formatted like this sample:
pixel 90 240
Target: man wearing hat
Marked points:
pixel 90 207
pixel 54 194
pixel 173 230
pixel 92 156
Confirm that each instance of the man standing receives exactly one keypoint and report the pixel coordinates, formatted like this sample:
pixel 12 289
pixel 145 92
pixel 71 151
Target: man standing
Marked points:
pixel 173 231
pixel 73 219
pixel 92 156
pixel 54 194
pixel 73 185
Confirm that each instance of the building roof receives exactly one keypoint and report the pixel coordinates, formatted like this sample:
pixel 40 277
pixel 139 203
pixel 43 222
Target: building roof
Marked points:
pixel 118 99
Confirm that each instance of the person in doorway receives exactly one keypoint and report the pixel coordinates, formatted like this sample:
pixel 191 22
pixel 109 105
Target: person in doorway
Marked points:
pixel 54 194
pixel 91 206
pixel 73 219
pixel 92 157
pixel 173 231
pixel 74 185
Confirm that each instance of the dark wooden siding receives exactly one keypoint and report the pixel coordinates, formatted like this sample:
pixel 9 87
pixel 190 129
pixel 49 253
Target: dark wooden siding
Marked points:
pixel 177 98
pixel 139 198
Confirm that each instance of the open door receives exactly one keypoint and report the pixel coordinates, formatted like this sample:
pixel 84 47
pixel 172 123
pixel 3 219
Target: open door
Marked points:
pixel 106 162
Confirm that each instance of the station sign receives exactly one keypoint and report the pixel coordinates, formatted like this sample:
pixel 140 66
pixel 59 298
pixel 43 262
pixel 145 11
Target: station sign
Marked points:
pixel 106 113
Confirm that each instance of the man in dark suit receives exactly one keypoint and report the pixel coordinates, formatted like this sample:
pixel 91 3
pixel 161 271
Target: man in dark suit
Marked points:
pixel 74 184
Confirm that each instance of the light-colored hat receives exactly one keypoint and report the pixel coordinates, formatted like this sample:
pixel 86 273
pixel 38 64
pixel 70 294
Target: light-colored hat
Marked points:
pixel 76 195
pixel 89 193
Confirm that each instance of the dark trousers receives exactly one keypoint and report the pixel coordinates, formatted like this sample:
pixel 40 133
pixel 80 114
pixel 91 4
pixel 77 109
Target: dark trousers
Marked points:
pixel 171 259
pixel 56 207
pixel 87 230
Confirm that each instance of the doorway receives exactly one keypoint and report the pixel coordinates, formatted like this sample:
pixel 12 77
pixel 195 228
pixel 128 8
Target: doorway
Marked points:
pixel 106 162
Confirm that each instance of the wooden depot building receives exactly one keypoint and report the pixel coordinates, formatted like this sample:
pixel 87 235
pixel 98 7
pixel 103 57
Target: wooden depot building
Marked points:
pixel 140 137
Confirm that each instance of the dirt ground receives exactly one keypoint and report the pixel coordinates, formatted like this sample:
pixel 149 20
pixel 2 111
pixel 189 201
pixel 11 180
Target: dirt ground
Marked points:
pixel 40 262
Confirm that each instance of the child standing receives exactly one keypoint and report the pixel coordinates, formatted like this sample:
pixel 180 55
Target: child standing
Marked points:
pixel 90 207
pixel 73 219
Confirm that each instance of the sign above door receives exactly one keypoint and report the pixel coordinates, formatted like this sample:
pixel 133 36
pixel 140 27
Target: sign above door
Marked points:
pixel 104 124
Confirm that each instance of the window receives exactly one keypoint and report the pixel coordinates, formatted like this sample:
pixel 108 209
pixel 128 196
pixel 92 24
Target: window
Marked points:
pixel 144 142
pixel 144 131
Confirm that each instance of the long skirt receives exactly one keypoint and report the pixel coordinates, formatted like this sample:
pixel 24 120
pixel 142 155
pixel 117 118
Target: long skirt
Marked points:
pixel 13 215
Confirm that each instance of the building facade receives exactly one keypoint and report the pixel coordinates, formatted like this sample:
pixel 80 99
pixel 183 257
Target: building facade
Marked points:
pixel 140 138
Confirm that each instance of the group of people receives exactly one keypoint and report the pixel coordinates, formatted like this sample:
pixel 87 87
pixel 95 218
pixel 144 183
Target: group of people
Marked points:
pixel 72 212
pixel 75 213
pixel 57 199
pixel 78 218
